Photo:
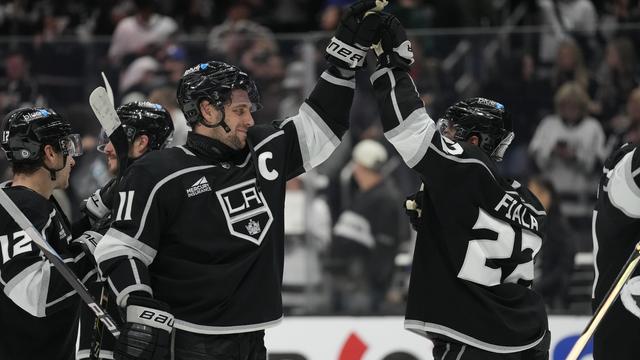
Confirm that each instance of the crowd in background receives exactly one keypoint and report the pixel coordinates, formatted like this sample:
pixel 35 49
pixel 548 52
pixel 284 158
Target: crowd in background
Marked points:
pixel 566 70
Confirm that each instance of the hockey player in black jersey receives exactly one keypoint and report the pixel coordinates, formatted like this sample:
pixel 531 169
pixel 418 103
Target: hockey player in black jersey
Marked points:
pixel 616 231
pixel 470 289
pixel 148 127
pixel 38 308
pixel 195 254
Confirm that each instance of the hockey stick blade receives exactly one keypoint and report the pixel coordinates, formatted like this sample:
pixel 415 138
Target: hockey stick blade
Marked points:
pixel 108 118
pixel 104 111
pixel 108 89
pixel 57 262
pixel 611 296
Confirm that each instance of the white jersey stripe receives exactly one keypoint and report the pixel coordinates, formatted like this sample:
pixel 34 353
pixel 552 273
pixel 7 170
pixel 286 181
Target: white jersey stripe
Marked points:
pixel 337 81
pixel 412 137
pixel 29 288
pixel 422 328
pixel 217 330
pixel 623 192
pixel 596 247
pixel 116 243
pixel 316 139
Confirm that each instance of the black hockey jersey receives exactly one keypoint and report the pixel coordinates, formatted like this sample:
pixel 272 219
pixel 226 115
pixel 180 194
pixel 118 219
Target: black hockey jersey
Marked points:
pixel 206 235
pixel 473 261
pixel 38 308
pixel 616 218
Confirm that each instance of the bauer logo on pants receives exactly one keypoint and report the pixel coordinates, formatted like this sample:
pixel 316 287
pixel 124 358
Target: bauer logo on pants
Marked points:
pixel 246 210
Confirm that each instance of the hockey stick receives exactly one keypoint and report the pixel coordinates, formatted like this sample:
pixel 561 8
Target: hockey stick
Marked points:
pixel 611 296
pixel 57 262
pixel 102 103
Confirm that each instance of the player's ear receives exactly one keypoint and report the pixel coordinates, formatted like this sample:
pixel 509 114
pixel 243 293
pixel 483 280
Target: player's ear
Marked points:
pixel 49 153
pixel 206 109
pixel 140 146
pixel 474 139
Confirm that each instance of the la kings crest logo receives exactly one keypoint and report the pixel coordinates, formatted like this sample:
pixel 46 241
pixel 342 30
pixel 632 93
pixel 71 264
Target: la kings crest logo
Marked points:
pixel 246 211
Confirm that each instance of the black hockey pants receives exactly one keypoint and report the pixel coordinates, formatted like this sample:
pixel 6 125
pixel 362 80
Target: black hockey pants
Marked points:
pixel 241 346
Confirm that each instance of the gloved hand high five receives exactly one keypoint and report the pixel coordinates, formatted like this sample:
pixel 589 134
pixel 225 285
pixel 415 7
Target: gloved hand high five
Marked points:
pixel 357 31
pixel 394 49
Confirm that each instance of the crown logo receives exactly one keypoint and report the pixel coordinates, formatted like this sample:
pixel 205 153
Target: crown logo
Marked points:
pixel 253 227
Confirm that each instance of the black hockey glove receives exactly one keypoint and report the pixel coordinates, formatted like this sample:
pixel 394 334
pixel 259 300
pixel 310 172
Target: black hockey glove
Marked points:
pixel 147 332
pixel 98 205
pixel 394 49
pixel 357 31
pixel 413 208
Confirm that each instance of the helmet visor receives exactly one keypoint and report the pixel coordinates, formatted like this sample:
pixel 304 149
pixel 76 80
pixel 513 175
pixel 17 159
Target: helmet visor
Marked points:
pixel 71 145
pixel 498 152
pixel 103 140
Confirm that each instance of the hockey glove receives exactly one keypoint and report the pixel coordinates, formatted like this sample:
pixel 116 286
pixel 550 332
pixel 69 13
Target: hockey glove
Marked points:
pixel 87 241
pixel 98 205
pixel 630 296
pixel 357 31
pixel 394 49
pixel 413 208
pixel 147 332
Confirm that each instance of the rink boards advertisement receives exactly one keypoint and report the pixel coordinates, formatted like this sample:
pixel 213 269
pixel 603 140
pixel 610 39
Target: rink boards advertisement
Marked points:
pixel 382 338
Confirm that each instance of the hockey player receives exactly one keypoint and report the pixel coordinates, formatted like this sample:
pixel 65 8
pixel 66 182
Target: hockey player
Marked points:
pixel 616 230
pixel 38 308
pixel 196 249
pixel 148 127
pixel 470 289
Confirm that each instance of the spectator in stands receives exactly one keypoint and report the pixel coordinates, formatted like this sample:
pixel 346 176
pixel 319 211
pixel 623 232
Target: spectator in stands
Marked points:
pixel 367 234
pixel 568 147
pixel 17 88
pixel 166 96
pixel 174 62
pixel 136 35
pixel 558 248
pixel 566 19
pixel 229 40
pixel 307 229
pixel 625 128
pixel 617 14
pixel 570 66
pixel 263 62
pixel 616 77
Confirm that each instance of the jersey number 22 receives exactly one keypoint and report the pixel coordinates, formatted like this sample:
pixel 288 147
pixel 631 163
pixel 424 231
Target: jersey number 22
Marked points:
pixel 475 267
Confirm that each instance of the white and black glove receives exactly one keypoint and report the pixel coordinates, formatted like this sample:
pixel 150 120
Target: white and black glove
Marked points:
pixel 394 49
pixel 630 296
pixel 147 332
pixel 98 205
pixel 357 31
pixel 87 241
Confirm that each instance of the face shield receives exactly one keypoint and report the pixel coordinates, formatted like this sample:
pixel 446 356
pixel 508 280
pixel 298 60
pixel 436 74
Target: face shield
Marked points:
pixel 103 140
pixel 444 128
pixel 71 145
pixel 498 152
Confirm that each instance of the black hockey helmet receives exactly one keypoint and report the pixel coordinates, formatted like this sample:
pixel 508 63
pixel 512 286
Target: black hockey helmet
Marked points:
pixel 213 81
pixel 143 118
pixel 484 118
pixel 26 131
pixel 147 118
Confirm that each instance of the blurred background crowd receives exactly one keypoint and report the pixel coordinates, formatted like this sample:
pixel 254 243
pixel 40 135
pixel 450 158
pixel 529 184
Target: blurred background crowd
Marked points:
pixel 566 70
